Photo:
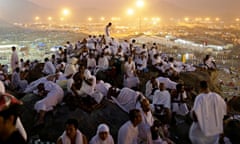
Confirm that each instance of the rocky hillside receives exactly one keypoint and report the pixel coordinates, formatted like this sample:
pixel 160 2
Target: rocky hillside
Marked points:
pixel 107 112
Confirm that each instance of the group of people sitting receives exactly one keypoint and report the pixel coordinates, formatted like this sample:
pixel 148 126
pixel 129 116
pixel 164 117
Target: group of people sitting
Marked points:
pixel 77 67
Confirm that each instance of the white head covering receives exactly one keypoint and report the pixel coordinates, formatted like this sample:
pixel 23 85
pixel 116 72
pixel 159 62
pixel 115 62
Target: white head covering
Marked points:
pixel 97 140
pixel 103 128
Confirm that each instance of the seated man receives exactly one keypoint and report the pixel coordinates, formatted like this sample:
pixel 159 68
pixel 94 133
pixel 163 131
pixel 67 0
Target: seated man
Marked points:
pixel 209 62
pixel 52 95
pixel 84 86
pixel 48 68
pixel 162 103
pixel 72 135
pixel 70 68
pixel 130 78
pixel 150 88
pixel 17 83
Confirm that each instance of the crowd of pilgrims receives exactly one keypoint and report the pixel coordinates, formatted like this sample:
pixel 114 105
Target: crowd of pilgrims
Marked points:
pixel 78 65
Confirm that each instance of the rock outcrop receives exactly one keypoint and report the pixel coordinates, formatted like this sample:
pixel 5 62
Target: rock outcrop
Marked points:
pixel 107 112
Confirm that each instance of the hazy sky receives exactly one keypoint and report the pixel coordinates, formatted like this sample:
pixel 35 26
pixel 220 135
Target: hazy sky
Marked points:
pixel 12 9
pixel 221 4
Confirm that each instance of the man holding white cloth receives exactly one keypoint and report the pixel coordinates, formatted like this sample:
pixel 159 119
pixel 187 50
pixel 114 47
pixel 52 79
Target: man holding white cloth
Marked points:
pixel 207 113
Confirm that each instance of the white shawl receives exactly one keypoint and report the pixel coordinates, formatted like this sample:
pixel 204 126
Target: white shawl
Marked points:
pixel 66 139
pixel 210 109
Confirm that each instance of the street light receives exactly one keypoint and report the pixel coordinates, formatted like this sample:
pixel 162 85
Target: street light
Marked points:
pixel 49 19
pixel 140 3
pixel 66 12
pixel 186 19
pixel 102 18
pixel 37 18
pixel 130 12
pixel 90 19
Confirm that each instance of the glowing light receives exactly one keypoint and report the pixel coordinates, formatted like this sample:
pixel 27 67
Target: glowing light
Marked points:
pixel 102 18
pixel 145 19
pixel 140 3
pixel 90 19
pixel 154 23
pixel 207 19
pixel 61 19
pixel 115 18
pixel 217 19
pixel 186 19
pixel 66 12
pixel 130 11
pixel 49 18
pixel 198 19
pixel 37 18
pixel 237 19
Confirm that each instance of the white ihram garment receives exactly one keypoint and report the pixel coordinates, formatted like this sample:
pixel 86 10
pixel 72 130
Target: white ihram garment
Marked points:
pixel 210 109
pixel 54 96
pixel 66 139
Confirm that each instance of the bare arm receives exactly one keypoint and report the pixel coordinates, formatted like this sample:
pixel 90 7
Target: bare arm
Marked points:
pixel 85 141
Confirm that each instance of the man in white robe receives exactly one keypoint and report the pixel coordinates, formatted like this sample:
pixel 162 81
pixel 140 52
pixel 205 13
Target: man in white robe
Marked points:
pixel 71 68
pixel 126 99
pixel 179 105
pixel 208 112
pixel 48 68
pixel 103 63
pixel 88 87
pixel 130 78
pixel 151 86
pixel 169 84
pixel 102 87
pixel 128 133
pixel 107 29
pixel 52 93
pixel 162 99
pixel 16 82
pixel 91 62
pixel 14 59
